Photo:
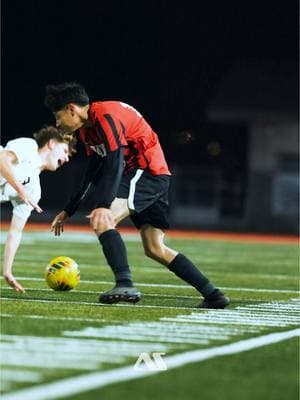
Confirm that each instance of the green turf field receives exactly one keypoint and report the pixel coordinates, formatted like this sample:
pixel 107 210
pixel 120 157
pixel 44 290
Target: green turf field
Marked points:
pixel 65 345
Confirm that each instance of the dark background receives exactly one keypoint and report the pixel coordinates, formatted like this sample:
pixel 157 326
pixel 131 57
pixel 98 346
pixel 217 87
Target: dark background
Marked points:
pixel 166 58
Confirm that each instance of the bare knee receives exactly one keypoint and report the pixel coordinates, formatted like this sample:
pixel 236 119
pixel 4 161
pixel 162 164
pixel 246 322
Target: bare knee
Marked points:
pixel 151 251
pixel 156 252
pixel 102 228
pixel 154 247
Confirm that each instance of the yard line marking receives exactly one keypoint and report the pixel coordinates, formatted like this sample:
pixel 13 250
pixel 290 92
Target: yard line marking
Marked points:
pixel 38 263
pixel 100 304
pixel 260 290
pixel 15 375
pixel 209 328
pixel 235 321
pixel 78 291
pixel 55 318
pixel 71 353
pixel 268 316
pixel 95 304
pixel 164 332
pixel 94 320
pixel 10 376
pixel 172 329
pixel 274 307
pixel 24 351
pixel 145 294
pixel 88 382
pixel 173 286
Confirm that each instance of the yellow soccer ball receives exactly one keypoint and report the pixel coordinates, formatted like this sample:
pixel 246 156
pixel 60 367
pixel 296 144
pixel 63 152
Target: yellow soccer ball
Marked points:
pixel 62 273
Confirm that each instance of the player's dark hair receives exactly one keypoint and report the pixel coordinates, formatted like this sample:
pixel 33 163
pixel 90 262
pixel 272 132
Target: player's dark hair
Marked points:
pixel 58 96
pixel 47 133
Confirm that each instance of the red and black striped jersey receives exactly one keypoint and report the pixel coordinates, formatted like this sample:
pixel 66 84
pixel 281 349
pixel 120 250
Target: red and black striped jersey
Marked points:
pixel 116 124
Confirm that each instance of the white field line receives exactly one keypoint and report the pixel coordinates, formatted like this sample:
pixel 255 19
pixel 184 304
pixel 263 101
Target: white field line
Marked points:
pixel 97 304
pixel 69 353
pixel 9 377
pixel 165 271
pixel 142 284
pixel 96 292
pixel 87 382
pixel 272 314
pixel 97 320
pixel 177 323
pixel 94 304
pixel 254 312
pixel 191 329
pixel 15 375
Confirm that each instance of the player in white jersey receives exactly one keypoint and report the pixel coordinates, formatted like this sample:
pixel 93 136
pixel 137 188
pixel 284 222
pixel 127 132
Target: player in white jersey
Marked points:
pixel 21 162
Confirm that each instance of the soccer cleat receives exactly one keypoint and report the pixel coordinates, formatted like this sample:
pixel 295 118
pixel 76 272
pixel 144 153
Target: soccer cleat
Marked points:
pixel 119 293
pixel 215 300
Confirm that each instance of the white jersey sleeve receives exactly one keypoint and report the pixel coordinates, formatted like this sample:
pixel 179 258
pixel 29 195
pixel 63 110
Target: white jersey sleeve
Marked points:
pixel 22 147
pixel 26 171
pixel 21 210
pixel 33 188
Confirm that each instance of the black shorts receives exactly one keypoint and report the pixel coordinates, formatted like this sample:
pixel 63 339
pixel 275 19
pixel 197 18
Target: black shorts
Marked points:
pixel 148 198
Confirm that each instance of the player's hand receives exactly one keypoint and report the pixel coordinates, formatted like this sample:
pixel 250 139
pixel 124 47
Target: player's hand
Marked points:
pixel 28 200
pixel 10 279
pixel 101 218
pixel 33 204
pixel 58 223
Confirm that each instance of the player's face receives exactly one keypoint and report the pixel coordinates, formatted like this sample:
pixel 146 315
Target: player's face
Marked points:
pixel 58 156
pixel 69 119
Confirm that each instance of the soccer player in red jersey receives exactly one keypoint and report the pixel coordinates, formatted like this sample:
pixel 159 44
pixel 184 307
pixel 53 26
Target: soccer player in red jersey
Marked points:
pixel 129 173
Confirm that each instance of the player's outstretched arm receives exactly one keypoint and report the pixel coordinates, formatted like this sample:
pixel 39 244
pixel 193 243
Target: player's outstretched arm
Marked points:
pixel 7 159
pixel 11 246
pixel 57 225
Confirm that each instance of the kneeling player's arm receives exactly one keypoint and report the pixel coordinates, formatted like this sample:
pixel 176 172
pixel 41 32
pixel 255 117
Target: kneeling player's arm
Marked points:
pixel 7 160
pixel 93 168
pixel 12 243
pixel 109 177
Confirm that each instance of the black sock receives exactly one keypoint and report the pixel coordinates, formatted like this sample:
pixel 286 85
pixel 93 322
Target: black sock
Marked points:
pixel 186 270
pixel 116 255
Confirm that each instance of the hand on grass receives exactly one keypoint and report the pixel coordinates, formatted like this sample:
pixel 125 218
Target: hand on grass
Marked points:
pixel 10 279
